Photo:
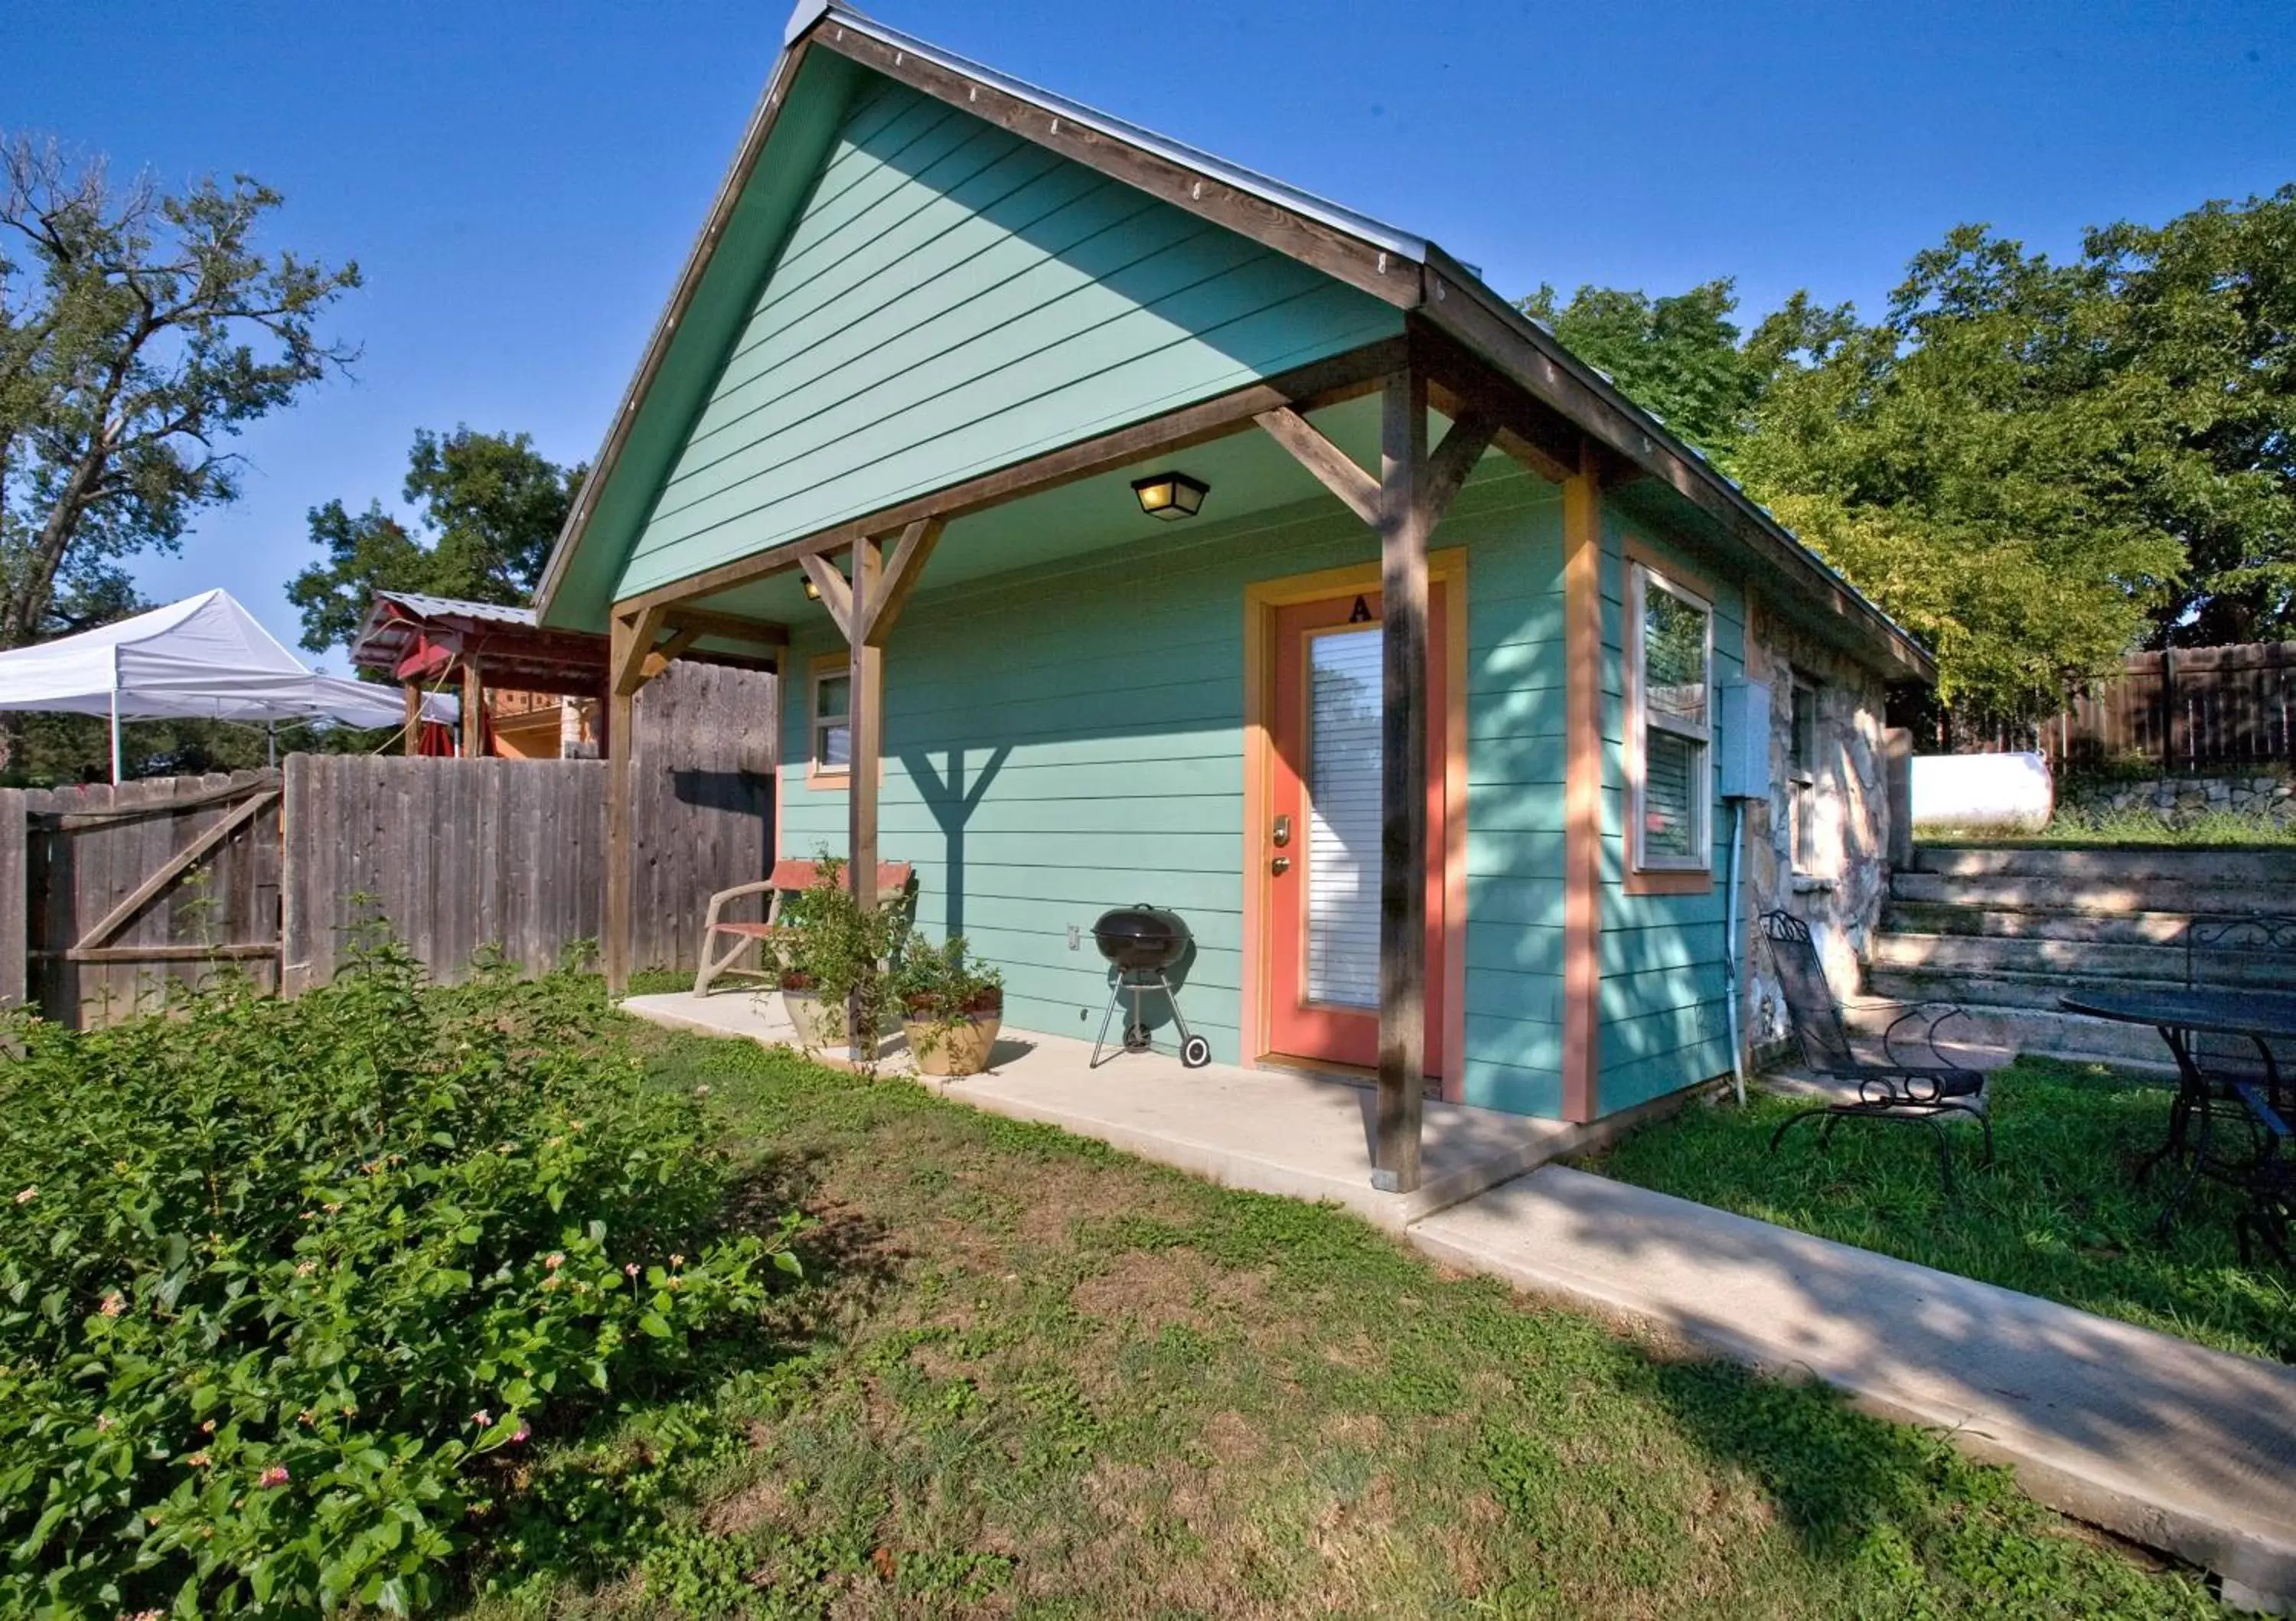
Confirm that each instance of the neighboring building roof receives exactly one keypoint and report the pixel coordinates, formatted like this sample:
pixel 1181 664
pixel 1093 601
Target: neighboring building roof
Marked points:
pixel 440 607
pixel 1408 270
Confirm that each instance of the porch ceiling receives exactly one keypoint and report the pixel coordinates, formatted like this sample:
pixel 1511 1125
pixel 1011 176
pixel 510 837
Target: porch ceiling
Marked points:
pixel 1247 472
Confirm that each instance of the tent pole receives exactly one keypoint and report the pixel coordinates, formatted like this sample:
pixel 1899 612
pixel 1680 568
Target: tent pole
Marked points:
pixel 115 736
pixel 271 744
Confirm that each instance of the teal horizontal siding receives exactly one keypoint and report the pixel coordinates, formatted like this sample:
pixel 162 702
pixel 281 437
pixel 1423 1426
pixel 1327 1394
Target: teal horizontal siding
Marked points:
pixel 1662 1003
pixel 950 299
pixel 1035 778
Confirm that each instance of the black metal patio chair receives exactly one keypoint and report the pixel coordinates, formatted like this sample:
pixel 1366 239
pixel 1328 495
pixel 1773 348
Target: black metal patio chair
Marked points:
pixel 1890 1085
pixel 2245 1089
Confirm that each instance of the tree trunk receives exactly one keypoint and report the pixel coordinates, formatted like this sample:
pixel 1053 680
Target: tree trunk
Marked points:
pixel 27 603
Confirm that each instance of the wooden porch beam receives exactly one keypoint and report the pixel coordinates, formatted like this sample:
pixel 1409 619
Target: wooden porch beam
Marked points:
pixel 1404 523
pixel 729 626
pixel 1333 468
pixel 836 591
pixel 890 594
pixel 670 651
pixel 633 634
pixel 1453 459
pixel 1326 382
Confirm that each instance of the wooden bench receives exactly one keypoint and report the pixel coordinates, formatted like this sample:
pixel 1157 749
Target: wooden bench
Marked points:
pixel 788 877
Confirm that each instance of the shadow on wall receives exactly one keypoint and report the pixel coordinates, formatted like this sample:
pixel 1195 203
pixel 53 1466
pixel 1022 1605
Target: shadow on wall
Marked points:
pixel 953 799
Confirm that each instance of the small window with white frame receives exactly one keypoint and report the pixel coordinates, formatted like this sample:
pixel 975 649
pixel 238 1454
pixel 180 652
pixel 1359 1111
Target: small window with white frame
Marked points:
pixel 1670 669
pixel 1802 776
pixel 832 716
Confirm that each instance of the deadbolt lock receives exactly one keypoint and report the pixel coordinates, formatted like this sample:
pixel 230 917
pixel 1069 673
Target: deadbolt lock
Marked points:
pixel 1282 831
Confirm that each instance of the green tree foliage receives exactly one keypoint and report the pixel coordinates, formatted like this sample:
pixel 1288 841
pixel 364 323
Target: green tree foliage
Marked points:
pixel 490 505
pixel 2034 466
pixel 139 332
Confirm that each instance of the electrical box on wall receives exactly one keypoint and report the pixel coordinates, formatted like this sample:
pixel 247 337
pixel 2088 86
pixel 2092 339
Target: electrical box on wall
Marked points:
pixel 1746 717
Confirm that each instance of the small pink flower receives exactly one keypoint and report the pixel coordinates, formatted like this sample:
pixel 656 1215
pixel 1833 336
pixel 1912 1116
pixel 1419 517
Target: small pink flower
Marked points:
pixel 677 1260
pixel 103 1422
pixel 629 1269
pixel 27 1196
pixel 554 1260
pixel 199 1460
pixel 304 1269
pixel 522 1434
pixel 208 1429
pixel 274 1477
pixel 482 1418
pixel 113 1304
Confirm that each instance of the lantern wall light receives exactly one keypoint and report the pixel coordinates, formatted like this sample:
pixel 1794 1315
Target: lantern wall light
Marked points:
pixel 1170 495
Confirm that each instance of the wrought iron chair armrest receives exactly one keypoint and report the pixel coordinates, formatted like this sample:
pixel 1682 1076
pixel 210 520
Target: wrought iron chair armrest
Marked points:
pixel 2261 1108
pixel 1913 1011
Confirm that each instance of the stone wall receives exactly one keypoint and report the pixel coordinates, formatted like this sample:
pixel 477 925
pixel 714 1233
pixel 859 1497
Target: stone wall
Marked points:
pixel 1845 876
pixel 2177 800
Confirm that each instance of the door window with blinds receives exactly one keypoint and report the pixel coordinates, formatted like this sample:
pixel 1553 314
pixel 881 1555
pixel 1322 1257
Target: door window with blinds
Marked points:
pixel 1670 666
pixel 1343 818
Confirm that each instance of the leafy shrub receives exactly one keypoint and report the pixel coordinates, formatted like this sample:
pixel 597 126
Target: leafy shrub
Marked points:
pixel 289 1290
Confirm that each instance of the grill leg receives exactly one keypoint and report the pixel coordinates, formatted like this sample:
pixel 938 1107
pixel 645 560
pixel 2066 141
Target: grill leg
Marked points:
pixel 1115 993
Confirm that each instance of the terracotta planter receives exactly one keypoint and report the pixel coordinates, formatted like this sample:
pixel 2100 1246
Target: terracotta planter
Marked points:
pixel 818 1024
pixel 962 1050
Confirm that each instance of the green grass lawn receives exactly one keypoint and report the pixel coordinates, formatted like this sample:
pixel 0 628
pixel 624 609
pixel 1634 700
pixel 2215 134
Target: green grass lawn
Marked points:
pixel 2060 1214
pixel 1034 1377
pixel 2129 830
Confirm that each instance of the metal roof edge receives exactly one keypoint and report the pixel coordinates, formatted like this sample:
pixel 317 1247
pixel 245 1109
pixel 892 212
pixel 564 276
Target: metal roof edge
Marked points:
pixel 1339 217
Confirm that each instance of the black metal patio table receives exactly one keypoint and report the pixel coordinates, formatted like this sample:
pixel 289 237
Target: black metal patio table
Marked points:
pixel 2261 1018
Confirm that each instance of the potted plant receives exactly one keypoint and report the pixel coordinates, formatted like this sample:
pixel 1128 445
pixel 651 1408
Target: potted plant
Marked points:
pixel 831 959
pixel 952 1006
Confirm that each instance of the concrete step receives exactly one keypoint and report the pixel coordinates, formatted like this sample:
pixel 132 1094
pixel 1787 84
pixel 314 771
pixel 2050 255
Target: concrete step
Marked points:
pixel 2116 927
pixel 2021 1029
pixel 1992 990
pixel 2059 893
pixel 2077 960
pixel 2113 864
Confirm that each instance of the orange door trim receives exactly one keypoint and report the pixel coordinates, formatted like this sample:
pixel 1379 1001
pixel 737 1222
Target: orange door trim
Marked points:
pixel 1447 575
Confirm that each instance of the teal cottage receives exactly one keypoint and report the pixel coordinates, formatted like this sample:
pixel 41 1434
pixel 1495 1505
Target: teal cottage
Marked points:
pixel 1131 526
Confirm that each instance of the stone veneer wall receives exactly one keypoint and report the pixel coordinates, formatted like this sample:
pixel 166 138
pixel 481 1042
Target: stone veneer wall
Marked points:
pixel 1840 893
pixel 2177 800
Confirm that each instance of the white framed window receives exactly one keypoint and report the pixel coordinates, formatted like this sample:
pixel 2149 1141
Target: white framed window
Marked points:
pixel 830 705
pixel 1669 696
pixel 1802 776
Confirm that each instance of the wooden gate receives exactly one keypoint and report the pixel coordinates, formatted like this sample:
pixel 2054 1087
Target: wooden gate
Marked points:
pixel 134 887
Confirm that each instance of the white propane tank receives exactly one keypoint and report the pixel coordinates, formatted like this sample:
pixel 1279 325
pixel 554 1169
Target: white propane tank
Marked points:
pixel 2005 792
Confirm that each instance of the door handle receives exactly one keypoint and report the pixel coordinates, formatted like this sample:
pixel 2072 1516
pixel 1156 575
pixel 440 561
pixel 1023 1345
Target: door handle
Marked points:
pixel 1280 865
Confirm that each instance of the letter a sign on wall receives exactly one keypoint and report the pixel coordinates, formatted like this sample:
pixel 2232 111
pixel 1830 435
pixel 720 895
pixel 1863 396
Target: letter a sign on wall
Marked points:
pixel 1361 614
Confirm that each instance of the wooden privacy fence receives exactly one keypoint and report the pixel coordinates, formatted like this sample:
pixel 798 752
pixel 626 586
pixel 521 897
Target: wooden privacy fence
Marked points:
pixel 108 895
pixel 2183 709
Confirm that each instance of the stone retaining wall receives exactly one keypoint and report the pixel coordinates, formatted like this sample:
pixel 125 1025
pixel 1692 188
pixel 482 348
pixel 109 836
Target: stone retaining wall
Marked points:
pixel 2179 799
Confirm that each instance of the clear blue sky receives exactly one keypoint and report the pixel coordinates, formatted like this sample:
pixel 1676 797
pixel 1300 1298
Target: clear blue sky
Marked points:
pixel 519 180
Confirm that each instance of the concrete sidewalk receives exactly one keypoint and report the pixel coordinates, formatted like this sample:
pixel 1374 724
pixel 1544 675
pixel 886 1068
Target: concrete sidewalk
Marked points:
pixel 2163 1441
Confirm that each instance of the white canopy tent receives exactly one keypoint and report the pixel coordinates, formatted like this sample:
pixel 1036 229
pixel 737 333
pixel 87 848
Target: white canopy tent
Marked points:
pixel 202 659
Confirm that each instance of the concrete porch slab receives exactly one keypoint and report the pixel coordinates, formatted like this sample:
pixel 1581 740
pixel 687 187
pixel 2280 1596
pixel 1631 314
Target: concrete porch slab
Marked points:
pixel 1272 1131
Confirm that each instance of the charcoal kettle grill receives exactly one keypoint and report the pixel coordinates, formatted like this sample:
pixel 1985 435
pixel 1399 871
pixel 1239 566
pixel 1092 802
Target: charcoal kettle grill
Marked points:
pixel 1143 942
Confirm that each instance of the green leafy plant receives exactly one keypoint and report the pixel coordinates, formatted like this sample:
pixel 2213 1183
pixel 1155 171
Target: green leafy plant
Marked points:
pixel 832 948
pixel 288 1290
pixel 943 987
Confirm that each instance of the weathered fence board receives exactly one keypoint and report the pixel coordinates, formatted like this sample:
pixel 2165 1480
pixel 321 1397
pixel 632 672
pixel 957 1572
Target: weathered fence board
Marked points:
pixel 2182 708
pixel 457 856
pixel 121 901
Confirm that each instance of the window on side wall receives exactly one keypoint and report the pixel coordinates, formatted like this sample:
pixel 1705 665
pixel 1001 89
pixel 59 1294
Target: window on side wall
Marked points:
pixel 1802 776
pixel 831 713
pixel 1670 664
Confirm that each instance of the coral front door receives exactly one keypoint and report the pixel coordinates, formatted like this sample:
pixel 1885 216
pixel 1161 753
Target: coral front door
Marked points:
pixel 1322 843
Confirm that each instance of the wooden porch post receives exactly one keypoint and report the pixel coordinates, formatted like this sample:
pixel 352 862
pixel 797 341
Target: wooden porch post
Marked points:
pixel 474 711
pixel 412 745
pixel 1403 527
pixel 630 637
